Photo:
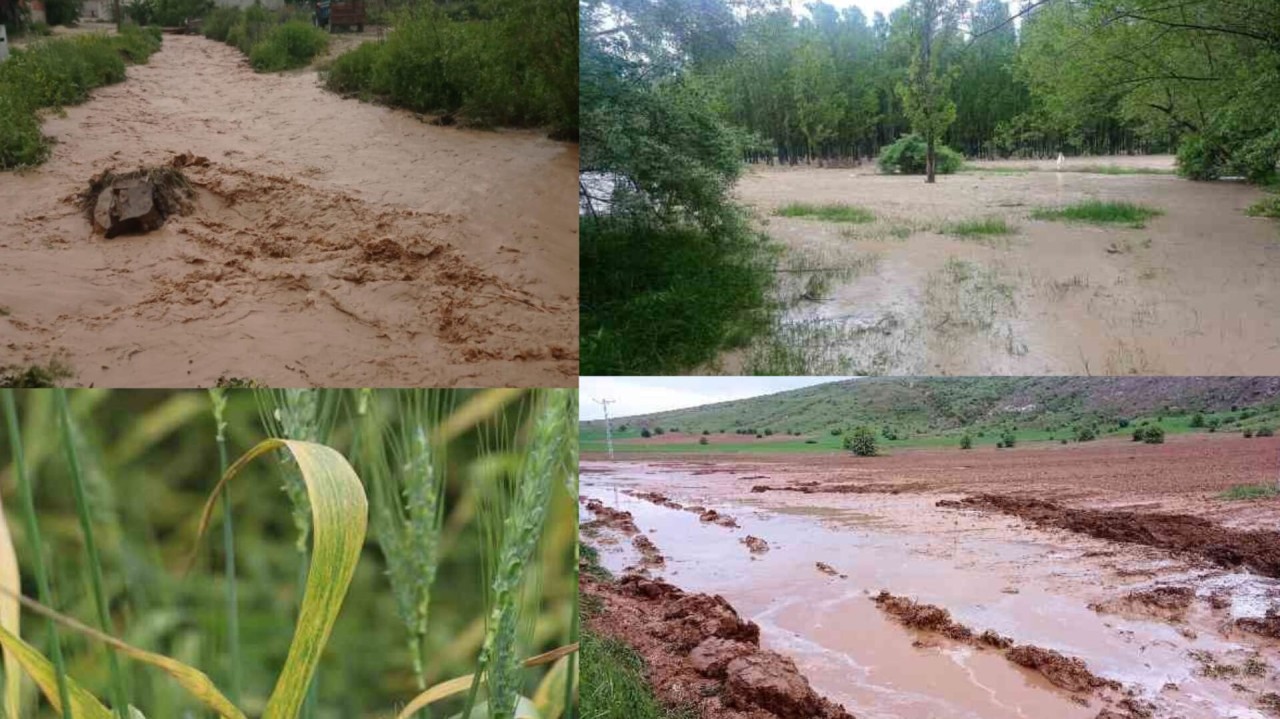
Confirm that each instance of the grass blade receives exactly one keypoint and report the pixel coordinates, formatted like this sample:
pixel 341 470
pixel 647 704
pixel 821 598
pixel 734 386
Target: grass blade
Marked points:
pixel 199 685
pixel 51 682
pixel 119 696
pixel 37 545
pixel 339 520
pixel 219 399
pixel 446 689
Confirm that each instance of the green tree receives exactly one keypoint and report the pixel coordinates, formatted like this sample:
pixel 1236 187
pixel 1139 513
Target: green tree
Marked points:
pixel 966 441
pixel 861 441
pixel 926 92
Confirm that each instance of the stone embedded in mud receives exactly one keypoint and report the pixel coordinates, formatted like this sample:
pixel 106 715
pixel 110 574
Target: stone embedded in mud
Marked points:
pixel 135 202
pixel 713 655
pixel 826 569
pixel 755 544
pixel 1267 626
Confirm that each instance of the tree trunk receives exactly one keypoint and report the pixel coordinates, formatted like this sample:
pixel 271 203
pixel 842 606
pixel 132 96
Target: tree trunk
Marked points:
pixel 929 160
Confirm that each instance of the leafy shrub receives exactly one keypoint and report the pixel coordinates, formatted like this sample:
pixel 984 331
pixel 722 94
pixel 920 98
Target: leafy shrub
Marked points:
pixel 358 72
pixel 21 142
pixel 1248 433
pixel 1008 439
pixel 1153 434
pixel 646 433
pixel 1265 432
pixel 1268 206
pixel 906 156
pixel 1086 434
pixel 1197 420
pixel 966 442
pixel 658 431
pixel 861 441
pixel 703 441
pixel 288 46
pixel 1199 159
pixel 836 431
pixel 218 23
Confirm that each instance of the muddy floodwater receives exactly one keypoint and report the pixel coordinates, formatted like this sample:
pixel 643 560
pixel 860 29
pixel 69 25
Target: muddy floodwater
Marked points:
pixel 1055 590
pixel 1197 290
pixel 332 242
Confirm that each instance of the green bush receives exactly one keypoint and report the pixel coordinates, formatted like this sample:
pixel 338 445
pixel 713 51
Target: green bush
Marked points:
pixel 288 46
pixel 1086 434
pixel 21 142
pixel 646 433
pixel 1248 433
pixel 1265 432
pixel 966 442
pixel 906 156
pixel 1008 439
pixel 1199 159
pixel 359 71
pixel 218 23
pixel 1197 420
pixel 862 442
pixel 1153 434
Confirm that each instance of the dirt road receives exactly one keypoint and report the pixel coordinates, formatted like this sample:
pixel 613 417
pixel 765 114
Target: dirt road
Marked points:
pixel 1197 291
pixel 1170 627
pixel 332 242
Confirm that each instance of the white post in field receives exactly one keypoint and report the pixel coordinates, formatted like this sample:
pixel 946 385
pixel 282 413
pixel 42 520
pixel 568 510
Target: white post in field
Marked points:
pixel 608 429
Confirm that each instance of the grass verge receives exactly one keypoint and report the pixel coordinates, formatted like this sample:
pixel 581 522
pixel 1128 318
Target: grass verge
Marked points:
pixel 1100 213
pixel 59 72
pixel 826 213
pixel 983 227
pixel 273 40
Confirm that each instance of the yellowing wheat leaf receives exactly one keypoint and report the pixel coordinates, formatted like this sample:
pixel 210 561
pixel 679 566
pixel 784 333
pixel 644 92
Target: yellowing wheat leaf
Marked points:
pixel 10 618
pixel 340 515
pixel 83 704
pixel 444 690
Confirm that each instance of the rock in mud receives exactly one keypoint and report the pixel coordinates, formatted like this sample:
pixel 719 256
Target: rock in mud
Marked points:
pixel 771 681
pixel 711 658
pixel 1267 626
pixel 826 569
pixel 755 544
pixel 135 202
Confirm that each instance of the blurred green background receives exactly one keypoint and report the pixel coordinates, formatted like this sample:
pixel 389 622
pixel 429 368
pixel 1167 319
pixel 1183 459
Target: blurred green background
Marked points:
pixel 151 460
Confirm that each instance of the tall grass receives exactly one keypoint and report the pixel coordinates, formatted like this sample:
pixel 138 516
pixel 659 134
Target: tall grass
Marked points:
pixel 1100 213
pixel 827 213
pixel 514 449
pixel 982 227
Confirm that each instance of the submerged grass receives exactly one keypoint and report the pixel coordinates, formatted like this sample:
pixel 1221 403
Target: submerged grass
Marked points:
pixel 980 228
pixel 1100 212
pixel 1251 491
pixel 827 213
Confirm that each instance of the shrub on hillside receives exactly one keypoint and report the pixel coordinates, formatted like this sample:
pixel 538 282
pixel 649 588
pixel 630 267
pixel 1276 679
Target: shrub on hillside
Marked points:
pixel 861 441
pixel 646 433
pixel 1248 433
pixel 291 45
pixel 1265 432
pixel 906 156
pixel 1153 434
pixel 966 442
pixel 1008 439
pixel 1086 434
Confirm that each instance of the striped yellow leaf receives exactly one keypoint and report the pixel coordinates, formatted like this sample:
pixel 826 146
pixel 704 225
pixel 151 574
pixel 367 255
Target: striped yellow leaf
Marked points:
pixel 83 704
pixel 10 618
pixel 340 515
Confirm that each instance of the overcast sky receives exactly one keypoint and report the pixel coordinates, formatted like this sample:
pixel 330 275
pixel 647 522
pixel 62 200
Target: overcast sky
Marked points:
pixel 642 395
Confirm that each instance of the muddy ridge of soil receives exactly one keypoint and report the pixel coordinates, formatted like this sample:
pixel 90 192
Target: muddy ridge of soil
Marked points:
pixel 700 654
pixel 1069 673
pixel 608 517
pixel 816 488
pixel 755 544
pixel 1166 602
pixel 1258 550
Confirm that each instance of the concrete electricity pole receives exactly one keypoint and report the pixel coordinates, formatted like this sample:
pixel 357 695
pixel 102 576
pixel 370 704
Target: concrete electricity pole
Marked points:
pixel 608 429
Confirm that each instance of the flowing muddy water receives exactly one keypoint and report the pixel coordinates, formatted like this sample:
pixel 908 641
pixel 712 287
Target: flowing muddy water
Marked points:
pixel 1197 290
pixel 332 242
pixel 988 570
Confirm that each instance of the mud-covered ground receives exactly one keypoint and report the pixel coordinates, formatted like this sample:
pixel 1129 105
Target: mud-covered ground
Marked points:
pixel 332 242
pixel 1197 290
pixel 1098 580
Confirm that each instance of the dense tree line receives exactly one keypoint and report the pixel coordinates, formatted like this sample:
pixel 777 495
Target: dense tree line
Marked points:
pixel 1031 77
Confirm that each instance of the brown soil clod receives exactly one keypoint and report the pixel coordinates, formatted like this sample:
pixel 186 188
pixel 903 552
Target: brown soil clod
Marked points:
pixel 1066 672
pixel 828 570
pixel 1259 550
pixel 1166 602
pixel 135 202
pixel 755 544
pixel 924 617
pixel 701 655
pixel 1267 626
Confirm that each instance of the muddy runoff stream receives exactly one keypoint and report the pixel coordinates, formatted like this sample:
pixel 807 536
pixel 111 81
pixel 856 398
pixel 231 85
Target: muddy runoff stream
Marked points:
pixel 1057 591
pixel 331 242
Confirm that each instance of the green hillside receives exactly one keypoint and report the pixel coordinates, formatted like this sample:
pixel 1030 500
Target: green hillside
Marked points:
pixel 937 411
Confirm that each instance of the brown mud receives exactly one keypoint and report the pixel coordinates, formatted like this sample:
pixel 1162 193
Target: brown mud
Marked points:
pixel 1258 550
pixel 700 655
pixel 1195 291
pixel 1065 600
pixel 330 243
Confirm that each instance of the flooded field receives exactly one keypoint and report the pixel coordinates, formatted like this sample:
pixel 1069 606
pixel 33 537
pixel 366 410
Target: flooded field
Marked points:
pixel 1196 290
pixel 801 545
pixel 331 242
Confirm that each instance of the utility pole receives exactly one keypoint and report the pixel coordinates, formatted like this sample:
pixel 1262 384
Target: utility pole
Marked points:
pixel 608 429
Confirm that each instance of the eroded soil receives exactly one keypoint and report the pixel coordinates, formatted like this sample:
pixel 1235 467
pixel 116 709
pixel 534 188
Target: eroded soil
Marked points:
pixel 333 242
pixel 985 613
pixel 1195 291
